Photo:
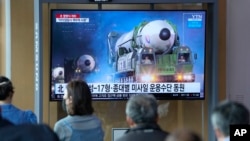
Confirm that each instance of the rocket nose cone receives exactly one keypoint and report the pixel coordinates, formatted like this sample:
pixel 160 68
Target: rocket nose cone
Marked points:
pixel 164 34
pixel 87 62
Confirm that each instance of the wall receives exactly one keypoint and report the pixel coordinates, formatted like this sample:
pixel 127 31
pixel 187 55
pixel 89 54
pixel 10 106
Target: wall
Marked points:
pixel 2 39
pixel 111 113
pixel 22 52
pixel 238 50
pixel 222 21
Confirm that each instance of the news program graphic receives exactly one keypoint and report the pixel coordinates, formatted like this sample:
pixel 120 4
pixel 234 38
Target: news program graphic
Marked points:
pixel 158 52
pixel 240 132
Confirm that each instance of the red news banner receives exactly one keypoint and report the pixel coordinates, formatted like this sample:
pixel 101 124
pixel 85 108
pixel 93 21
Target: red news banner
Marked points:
pixel 71 18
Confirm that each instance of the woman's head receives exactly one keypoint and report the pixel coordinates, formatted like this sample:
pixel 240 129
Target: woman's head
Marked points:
pixel 6 88
pixel 78 98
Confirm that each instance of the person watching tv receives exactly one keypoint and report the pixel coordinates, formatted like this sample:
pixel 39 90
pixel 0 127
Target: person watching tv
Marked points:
pixel 225 114
pixel 25 132
pixel 9 111
pixel 80 124
pixel 142 117
pixel 28 132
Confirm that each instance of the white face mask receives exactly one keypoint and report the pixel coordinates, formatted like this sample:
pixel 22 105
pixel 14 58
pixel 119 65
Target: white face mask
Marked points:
pixel 65 96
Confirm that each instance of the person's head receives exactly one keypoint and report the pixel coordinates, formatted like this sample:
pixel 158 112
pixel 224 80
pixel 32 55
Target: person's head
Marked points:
pixel 6 89
pixel 228 113
pixel 78 98
pixel 181 58
pixel 183 135
pixel 141 109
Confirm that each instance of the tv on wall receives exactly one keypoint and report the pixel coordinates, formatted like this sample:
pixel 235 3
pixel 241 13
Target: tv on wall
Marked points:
pixel 121 53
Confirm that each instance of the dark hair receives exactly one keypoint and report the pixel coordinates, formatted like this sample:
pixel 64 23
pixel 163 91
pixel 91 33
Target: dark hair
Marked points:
pixel 227 113
pixel 6 87
pixel 81 98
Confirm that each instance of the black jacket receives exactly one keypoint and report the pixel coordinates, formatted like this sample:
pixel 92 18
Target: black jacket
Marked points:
pixel 144 132
pixel 27 132
pixel 4 122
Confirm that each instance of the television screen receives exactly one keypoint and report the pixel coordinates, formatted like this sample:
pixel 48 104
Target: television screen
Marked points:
pixel 121 53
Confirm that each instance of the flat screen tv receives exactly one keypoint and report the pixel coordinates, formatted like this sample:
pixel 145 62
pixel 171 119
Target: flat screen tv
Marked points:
pixel 121 53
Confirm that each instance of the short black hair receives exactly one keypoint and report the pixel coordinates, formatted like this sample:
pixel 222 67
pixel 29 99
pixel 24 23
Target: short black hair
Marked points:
pixel 6 87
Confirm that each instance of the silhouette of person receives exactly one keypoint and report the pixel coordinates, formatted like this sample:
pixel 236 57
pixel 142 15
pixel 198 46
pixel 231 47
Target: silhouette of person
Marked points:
pixel 182 59
pixel 147 60
pixel 142 116
pixel 226 114
pixel 81 123
pixel 9 111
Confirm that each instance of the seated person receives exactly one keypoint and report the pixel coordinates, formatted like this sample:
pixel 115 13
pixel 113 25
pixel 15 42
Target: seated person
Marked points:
pixel 181 59
pixel 226 114
pixel 142 115
pixel 9 111
pixel 80 124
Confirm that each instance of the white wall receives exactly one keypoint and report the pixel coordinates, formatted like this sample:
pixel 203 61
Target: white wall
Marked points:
pixel 238 51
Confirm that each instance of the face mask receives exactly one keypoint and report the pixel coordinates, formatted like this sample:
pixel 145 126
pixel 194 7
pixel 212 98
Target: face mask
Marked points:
pixel 64 105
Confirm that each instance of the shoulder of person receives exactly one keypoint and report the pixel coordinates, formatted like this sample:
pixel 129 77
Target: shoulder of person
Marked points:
pixel 30 116
pixel 60 128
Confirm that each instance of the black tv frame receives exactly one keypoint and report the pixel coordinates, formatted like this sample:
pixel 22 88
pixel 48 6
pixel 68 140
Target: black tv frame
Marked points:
pixel 211 43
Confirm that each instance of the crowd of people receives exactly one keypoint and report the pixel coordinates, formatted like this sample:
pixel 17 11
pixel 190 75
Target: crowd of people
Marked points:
pixel 81 124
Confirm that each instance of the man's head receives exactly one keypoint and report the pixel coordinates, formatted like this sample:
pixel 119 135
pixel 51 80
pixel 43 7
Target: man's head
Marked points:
pixel 141 109
pixel 3 122
pixel 227 113
pixel 6 88
pixel 183 135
